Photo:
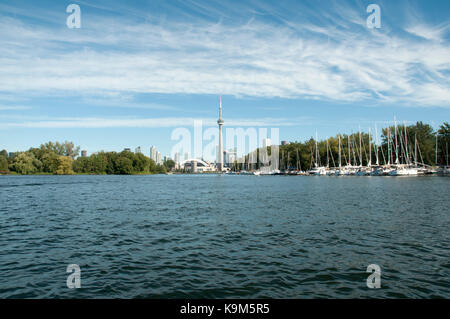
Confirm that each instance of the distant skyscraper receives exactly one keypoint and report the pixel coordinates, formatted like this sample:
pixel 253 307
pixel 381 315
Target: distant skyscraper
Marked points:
pixel 127 149
pixel 158 158
pixel 83 153
pixel 153 153
pixel 186 156
pixel 177 158
pixel 138 150
pixel 267 142
pixel 283 143
pixel 229 156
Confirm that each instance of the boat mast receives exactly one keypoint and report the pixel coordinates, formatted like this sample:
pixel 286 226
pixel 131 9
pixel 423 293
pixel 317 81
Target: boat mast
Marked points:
pixel 435 156
pixel 406 144
pixel 339 150
pixel 389 146
pixel 415 149
pixel 360 147
pixel 328 161
pixel 317 152
pixel 376 145
pixel 287 161
pixel 349 156
pixel 396 142
pixel 370 151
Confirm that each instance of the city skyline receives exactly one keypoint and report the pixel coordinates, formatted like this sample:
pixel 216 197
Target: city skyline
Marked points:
pixel 307 66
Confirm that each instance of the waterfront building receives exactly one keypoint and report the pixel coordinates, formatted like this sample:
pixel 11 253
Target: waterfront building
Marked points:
pixel 198 166
pixel 153 153
pixel 177 160
pixel 230 157
pixel 158 158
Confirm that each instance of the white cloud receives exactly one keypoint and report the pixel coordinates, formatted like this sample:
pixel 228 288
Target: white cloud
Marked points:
pixel 14 108
pixel 300 60
pixel 95 122
pixel 434 33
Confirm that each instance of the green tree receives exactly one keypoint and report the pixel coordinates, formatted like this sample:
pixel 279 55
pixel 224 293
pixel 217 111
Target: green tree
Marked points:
pixel 123 165
pixel 63 149
pixel 50 162
pixel 160 169
pixel 169 164
pixel 443 143
pixel 64 166
pixel 81 165
pixel 3 164
pixel 24 163
pixel 152 166
pixel 141 163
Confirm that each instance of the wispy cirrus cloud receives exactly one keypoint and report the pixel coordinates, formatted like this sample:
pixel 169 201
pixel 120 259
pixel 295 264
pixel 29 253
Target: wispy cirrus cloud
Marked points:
pixel 339 60
pixel 14 107
pixel 432 33
pixel 96 122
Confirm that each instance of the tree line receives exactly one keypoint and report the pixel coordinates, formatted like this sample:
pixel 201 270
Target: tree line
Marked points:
pixel 63 159
pixel 417 139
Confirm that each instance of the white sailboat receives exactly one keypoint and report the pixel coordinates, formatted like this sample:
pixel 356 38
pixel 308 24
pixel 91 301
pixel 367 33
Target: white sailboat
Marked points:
pixel 317 170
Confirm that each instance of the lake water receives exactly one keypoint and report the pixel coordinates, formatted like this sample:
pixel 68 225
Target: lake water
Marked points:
pixel 209 236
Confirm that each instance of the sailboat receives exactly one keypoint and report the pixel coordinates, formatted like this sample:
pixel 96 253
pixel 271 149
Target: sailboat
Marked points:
pixel 406 169
pixel 317 170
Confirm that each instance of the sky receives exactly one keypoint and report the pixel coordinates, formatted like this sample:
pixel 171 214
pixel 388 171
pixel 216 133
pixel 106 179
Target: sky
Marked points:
pixel 137 70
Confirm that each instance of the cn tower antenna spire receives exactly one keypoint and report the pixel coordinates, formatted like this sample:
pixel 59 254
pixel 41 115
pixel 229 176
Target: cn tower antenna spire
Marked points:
pixel 220 108
pixel 220 148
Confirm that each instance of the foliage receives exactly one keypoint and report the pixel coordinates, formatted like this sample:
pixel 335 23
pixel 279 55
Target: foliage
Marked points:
pixel 63 149
pixel 3 164
pixel 64 165
pixel 124 165
pixel 115 163
pixel 169 164
pixel 25 163
pixel 420 140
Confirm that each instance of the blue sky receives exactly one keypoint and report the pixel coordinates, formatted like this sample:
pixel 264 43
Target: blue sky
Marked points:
pixel 136 70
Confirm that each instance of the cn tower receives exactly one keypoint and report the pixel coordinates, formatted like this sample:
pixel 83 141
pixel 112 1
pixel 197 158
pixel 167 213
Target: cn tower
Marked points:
pixel 220 122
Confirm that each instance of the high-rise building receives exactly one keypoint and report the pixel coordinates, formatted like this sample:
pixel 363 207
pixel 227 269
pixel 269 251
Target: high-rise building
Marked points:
pixel 138 150
pixel 283 143
pixel 229 157
pixel 83 153
pixel 153 153
pixel 158 158
pixel 177 160
pixel 127 149
pixel 220 151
